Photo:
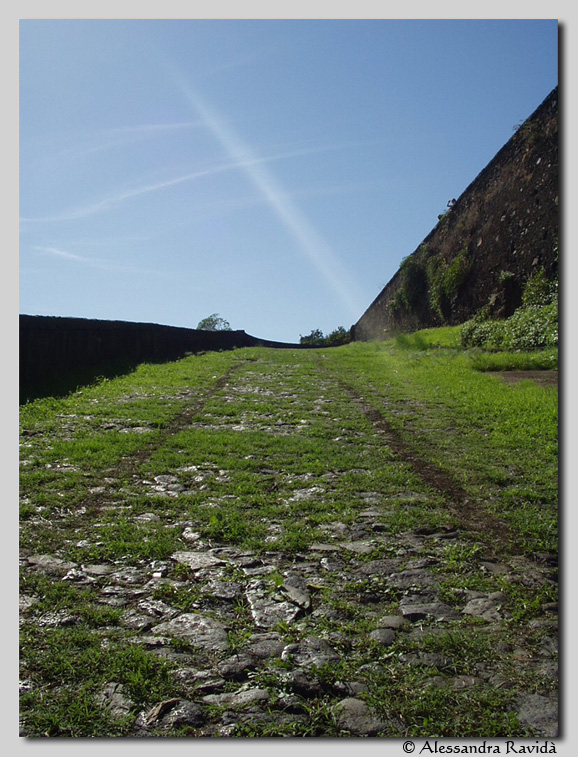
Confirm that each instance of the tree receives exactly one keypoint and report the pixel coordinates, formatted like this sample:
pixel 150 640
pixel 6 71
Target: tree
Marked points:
pixel 314 338
pixel 214 322
pixel 335 338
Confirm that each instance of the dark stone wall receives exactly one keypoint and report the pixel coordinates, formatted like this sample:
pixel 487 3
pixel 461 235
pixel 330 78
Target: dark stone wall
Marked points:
pixel 504 225
pixel 58 354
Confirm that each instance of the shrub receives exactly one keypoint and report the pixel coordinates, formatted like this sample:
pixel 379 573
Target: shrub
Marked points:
pixel 414 280
pixel 538 290
pixel 445 282
pixel 532 328
pixel 529 328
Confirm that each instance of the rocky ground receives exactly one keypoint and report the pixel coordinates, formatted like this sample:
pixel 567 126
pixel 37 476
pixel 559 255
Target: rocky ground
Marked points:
pixel 305 642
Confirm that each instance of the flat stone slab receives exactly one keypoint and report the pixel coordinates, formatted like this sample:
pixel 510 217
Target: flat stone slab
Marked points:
pixel 199 630
pixel 359 547
pixel 303 495
pixel 267 612
pixel 395 622
pixel 240 698
pixel 354 715
pixel 540 713
pixel 413 577
pixel 488 607
pixel 237 667
pixel 310 651
pixel 113 698
pixel 383 636
pixel 185 713
pixel 296 591
pixel 197 560
pixel 322 547
pixel 420 609
pixel 266 645
pixel 50 564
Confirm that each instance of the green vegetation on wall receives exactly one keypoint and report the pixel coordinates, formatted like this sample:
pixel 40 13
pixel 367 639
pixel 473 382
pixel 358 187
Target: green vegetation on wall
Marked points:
pixel 534 325
pixel 430 285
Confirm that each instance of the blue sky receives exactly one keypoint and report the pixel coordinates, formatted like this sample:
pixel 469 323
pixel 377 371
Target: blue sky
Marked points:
pixel 273 171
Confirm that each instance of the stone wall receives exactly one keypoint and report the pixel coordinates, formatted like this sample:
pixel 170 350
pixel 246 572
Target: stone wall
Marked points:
pixel 503 227
pixel 57 354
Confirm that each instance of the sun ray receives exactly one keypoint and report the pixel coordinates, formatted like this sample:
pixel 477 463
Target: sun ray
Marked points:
pixel 310 242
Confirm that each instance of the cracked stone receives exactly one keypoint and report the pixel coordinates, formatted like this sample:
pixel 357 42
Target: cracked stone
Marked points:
pixel 228 590
pixel 58 618
pixel 185 713
pixel 266 645
pixel 238 698
pixel 266 611
pixel 203 681
pixel 296 591
pixel 486 607
pixel 160 710
pixel 540 713
pixel 303 495
pixel 155 607
pixel 114 699
pixel 416 609
pixel 309 652
pixel 190 535
pixel 304 684
pixel 237 667
pixel 136 621
pixel 50 564
pixel 197 560
pixel 199 630
pixel 413 577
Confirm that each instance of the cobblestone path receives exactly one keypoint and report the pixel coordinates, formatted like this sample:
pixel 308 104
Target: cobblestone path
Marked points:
pixel 289 566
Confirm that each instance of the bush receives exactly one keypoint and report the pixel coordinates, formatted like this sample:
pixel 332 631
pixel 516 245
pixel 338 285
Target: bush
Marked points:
pixel 529 328
pixel 532 328
pixel 538 291
pixel 446 281
pixel 414 282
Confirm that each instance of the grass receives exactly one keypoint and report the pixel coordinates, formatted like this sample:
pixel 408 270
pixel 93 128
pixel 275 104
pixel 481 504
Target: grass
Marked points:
pixel 541 360
pixel 499 442
pixel 272 453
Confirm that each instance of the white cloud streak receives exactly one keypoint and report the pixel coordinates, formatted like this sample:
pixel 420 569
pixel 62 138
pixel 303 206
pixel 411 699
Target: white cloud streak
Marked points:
pixel 108 203
pixel 110 139
pixel 314 247
pixel 55 252
pixel 103 265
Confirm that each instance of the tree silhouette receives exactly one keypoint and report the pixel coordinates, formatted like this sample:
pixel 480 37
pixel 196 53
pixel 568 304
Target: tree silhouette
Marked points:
pixel 214 322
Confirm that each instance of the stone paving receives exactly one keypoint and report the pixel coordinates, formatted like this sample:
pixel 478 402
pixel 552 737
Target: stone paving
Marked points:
pixel 272 670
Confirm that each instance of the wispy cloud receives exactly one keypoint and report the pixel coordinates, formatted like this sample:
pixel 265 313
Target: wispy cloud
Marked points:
pixel 55 252
pixel 104 265
pixel 310 242
pixel 239 162
pixel 111 139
